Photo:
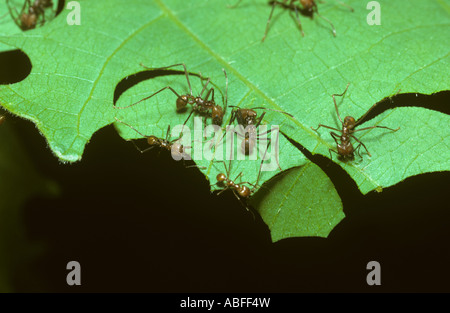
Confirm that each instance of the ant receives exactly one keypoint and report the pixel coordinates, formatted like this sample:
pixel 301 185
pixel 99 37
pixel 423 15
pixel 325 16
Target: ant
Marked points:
pixel 248 118
pixel 2 119
pixel 345 148
pixel 28 20
pixel 240 190
pixel 307 7
pixel 172 146
pixel 199 104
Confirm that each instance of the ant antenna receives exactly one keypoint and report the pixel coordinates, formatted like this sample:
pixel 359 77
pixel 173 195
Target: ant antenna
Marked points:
pixel 226 90
pixel 166 67
pixel 131 127
pixel 335 104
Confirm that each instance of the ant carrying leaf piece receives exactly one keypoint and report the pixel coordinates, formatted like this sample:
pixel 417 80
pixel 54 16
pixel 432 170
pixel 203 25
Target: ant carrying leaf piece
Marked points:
pixel 345 149
pixel 305 7
pixel 31 14
pixel 199 104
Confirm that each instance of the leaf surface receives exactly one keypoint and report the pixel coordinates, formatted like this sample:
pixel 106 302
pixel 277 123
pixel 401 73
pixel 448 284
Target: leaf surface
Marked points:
pixel 76 69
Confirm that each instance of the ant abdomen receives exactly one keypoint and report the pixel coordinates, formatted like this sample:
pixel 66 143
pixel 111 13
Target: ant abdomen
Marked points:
pixel 243 191
pixel 182 102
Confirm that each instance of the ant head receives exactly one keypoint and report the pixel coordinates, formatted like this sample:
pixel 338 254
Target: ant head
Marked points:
pixel 152 140
pixel 217 115
pixel 221 177
pixel 349 122
pixel 182 101
pixel 244 191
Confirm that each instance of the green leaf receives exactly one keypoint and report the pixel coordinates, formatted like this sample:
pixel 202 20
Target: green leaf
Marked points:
pixel 69 93
pixel 299 204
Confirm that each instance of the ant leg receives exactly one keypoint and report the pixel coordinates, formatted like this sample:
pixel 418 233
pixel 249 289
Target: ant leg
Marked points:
pixel 335 104
pixel 11 8
pixel 204 87
pixel 167 134
pixel 269 109
pixel 331 157
pixel 234 6
pixel 260 119
pixel 268 20
pixel 335 137
pixel 226 91
pixel 166 67
pixel 332 26
pixel 358 148
pixel 210 92
pixel 321 125
pixel 139 149
pixel 298 21
pixel 182 128
pixel 129 106
pixel 259 172
pixel 371 127
pixel 131 127
pixel 360 143
pixel 345 5
pixel 233 117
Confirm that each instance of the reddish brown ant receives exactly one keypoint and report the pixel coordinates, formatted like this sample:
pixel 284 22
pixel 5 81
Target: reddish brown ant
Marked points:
pixel 240 190
pixel 345 148
pixel 2 119
pixel 305 7
pixel 248 118
pixel 30 13
pixel 199 104
pixel 172 146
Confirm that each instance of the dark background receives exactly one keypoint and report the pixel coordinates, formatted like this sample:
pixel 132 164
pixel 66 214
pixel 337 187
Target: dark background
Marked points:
pixel 145 223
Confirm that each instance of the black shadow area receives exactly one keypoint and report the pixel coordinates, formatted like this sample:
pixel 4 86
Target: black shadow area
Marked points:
pixel 15 66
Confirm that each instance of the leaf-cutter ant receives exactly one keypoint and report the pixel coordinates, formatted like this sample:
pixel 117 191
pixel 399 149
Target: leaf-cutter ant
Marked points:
pixel 199 104
pixel 172 146
pixel 241 191
pixel 345 148
pixel 249 120
pixel 30 13
pixel 305 7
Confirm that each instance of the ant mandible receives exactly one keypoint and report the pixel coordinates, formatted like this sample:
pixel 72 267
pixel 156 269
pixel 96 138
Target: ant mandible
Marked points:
pixel 345 148
pixel 199 104
pixel 28 18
